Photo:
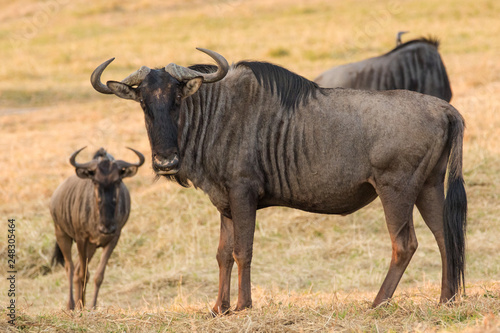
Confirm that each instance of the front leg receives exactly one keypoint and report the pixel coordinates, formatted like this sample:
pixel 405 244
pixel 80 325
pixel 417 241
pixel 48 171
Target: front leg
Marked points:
pixel 86 251
pixel 226 261
pixel 243 203
pixel 81 274
pixel 99 274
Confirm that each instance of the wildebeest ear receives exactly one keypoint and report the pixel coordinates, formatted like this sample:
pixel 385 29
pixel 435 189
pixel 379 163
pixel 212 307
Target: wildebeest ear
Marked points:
pixel 128 171
pixel 191 86
pixel 85 173
pixel 122 90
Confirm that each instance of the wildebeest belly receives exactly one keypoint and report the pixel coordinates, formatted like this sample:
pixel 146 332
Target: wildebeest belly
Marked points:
pixel 325 200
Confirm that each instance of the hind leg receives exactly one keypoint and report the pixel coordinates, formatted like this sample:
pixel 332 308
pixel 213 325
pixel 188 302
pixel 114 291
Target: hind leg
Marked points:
pixel 430 203
pixel 398 214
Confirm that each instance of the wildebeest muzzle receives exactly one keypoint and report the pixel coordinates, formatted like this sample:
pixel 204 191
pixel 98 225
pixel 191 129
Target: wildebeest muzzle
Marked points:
pixel 166 165
pixel 107 230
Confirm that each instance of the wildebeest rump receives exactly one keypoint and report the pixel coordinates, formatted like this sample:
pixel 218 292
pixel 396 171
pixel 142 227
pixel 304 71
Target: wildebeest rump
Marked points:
pixel 415 65
pixel 91 209
pixel 255 135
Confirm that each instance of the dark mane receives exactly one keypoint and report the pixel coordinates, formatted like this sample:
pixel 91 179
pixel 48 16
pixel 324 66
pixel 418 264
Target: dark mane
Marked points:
pixel 428 40
pixel 292 89
pixel 204 68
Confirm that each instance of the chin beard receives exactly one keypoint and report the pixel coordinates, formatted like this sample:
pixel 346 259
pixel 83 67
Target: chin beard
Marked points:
pixel 174 178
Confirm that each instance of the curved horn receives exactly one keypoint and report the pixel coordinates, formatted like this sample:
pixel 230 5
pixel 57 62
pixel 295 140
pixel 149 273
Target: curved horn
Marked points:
pixel 133 79
pixel 137 77
pixel 138 164
pixel 183 73
pixel 95 78
pixel 221 63
pixel 78 165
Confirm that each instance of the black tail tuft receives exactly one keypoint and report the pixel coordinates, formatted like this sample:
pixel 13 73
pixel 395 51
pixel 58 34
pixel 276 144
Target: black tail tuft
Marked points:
pixel 455 210
pixel 57 257
pixel 455 217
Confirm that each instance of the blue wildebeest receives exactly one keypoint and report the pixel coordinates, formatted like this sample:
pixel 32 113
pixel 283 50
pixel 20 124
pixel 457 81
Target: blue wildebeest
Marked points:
pixel 415 65
pixel 255 135
pixel 91 209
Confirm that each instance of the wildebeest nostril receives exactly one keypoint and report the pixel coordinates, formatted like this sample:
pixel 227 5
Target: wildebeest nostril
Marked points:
pixel 166 164
pixel 107 231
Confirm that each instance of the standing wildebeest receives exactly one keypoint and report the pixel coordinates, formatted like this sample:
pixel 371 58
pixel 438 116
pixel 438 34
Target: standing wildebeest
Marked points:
pixel 255 135
pixel 91 209
pixel 415 65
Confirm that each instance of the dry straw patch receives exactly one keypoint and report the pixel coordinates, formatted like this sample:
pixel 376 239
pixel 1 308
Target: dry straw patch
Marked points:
pixel 310 272
pixel 278 311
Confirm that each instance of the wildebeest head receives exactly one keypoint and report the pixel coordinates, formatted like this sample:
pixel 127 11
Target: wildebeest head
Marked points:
pixel 160 93
pixel 106 173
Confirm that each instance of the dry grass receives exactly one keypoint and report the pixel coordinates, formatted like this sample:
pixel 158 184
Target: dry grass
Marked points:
pixel 310 272
pixel 278 311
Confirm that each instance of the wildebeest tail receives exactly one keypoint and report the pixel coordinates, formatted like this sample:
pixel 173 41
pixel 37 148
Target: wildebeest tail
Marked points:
pixel 455 207
pixel 57 257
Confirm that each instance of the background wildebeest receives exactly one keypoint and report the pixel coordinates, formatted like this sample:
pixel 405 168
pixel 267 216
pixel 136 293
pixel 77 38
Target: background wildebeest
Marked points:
pixel 415 65
pixel 255 135
pixel 91 209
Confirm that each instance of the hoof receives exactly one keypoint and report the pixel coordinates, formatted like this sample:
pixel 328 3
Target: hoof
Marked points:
pixel 71 305
pixel 218 311
pixel 243 308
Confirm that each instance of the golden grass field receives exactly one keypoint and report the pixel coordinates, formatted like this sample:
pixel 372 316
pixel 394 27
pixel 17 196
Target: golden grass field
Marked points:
pixel 310 272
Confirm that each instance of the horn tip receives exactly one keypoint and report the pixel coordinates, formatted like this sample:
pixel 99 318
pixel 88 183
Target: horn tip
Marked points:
pixel 73 155
pixel 107 62
pixel 207 51
pixel 110 60
pixel 79 150
pixel 142 159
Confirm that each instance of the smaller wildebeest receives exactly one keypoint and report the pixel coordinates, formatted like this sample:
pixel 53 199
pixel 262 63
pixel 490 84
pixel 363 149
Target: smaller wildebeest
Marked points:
pixel 91 209
pixel 254 135
pixel 415 65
